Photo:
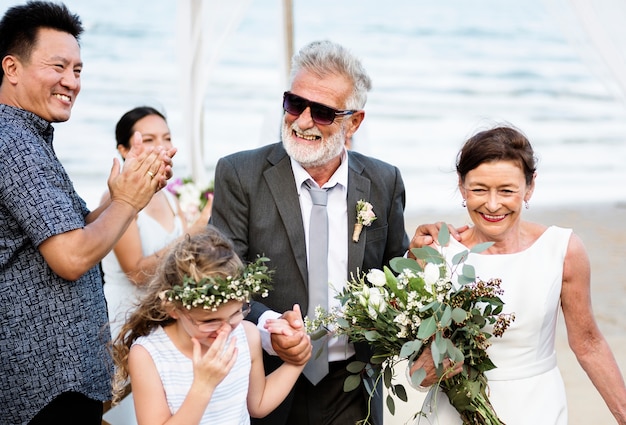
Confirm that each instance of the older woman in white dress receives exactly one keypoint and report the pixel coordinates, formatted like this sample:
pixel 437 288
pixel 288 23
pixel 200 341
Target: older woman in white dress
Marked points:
pixel 542 268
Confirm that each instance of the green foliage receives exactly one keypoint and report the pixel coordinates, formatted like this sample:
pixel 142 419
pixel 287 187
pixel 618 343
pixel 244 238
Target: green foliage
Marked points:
pixel 411 305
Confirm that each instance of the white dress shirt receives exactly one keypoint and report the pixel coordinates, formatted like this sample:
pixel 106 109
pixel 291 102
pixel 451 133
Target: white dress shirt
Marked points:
pixel 339 348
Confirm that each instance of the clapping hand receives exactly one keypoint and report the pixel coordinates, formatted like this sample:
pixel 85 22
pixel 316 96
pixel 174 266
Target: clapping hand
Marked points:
pixel 164 172
pixel 146 170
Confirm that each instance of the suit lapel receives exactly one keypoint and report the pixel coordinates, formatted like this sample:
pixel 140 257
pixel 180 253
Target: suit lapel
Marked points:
pixel 280 181
pixel 288 205
pixel 358 188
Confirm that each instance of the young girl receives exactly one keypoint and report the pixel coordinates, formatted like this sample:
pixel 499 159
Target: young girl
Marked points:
pixel 190 355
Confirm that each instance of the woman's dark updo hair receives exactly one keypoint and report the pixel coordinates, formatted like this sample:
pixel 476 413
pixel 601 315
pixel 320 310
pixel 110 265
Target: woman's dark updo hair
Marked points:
pixel 497 144
pixel 124 128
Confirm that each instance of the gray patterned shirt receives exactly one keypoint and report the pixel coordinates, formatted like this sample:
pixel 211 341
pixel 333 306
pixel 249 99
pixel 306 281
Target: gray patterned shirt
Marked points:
pixel 53 332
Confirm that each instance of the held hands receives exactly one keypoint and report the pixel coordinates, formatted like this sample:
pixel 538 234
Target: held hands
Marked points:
pixel 210 368
pixel 289 338
pixel 146 170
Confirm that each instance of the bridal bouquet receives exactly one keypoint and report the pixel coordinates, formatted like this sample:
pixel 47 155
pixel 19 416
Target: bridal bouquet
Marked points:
pixel 191 197
pixel 399 315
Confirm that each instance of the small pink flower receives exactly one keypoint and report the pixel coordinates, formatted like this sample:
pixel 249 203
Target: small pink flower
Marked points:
pixel 364 217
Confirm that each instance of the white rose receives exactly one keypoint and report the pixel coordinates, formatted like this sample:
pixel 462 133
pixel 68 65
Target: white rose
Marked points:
pixel 376 302
pixel 431 273
pixel 377 277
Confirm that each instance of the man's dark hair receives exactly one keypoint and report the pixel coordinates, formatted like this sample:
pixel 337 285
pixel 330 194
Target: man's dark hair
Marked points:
pixel 20 24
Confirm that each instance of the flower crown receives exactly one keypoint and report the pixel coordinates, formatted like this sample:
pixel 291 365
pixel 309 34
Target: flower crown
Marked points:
pixel 211 292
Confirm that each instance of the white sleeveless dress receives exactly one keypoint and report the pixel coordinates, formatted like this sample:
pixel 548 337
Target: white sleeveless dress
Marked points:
pixel 120 293
pixel 228 405
pixel 526 387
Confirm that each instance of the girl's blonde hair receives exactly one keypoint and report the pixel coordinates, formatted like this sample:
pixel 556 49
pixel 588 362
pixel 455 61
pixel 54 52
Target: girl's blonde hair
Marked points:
pixel 206 254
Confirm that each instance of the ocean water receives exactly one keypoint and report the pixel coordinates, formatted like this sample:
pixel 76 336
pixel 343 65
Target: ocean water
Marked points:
pixel 440 70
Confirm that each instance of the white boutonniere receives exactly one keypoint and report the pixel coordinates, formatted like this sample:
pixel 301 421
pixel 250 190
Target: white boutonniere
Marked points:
pixel 364 217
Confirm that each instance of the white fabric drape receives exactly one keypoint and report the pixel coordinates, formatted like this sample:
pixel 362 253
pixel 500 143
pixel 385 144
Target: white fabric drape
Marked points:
pixel 597 29
pixel 203 26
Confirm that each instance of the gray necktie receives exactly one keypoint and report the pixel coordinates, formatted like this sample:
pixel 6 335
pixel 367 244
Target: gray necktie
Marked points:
pixel 317 367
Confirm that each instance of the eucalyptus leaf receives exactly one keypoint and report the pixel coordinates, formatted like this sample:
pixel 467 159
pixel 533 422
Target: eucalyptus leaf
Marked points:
pixel 418 376
pixel 460 257
pixel 444 235
pixel 387 376
pixel 446 317
pixel 436 354
pixel 401 392
pixel 391 405
pixel 481 247
pixel 343 323
pixel 469 271
pixel 351 383
pixel 377 360
pixel 455 354
pixel 430 306
pixel 320 333
pixel 410 347
pixel 427 328
pixel 439 348
pixel 459 315
pixel 428 254
pixel 371 335
pixel 464 280
pixel 398 264
pixel 355 366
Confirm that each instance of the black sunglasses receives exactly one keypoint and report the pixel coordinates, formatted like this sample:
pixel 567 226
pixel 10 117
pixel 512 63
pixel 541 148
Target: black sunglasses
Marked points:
pixel 321 114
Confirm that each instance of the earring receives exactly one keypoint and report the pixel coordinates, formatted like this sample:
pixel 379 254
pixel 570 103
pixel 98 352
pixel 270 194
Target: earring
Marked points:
pixel 464 203
pixel 526 204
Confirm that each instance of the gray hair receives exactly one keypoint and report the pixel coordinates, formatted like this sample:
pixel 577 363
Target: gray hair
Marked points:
pixel 324 58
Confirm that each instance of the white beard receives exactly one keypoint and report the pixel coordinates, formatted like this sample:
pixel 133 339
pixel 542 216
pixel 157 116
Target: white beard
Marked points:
pixel 312 156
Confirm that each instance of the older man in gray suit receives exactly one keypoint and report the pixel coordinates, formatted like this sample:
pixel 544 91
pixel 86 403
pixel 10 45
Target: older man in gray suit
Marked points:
pixel 262 202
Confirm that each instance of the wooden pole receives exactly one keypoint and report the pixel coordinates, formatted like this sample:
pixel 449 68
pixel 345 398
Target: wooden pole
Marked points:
pixel 288 30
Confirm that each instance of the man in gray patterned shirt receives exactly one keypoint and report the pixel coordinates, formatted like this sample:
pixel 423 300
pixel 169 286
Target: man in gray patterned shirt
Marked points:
pixel 54 365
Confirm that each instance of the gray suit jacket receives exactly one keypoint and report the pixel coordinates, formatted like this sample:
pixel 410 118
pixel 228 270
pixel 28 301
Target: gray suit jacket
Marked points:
pixel 256 204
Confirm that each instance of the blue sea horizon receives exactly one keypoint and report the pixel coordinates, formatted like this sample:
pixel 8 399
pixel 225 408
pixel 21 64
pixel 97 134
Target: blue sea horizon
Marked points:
pixel 441 71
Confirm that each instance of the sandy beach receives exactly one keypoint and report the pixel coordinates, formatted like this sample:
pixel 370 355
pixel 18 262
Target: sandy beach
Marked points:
pixel 602 229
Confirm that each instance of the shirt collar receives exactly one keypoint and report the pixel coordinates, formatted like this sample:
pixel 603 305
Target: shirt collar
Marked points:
pixel 33 121
pixel 340 177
